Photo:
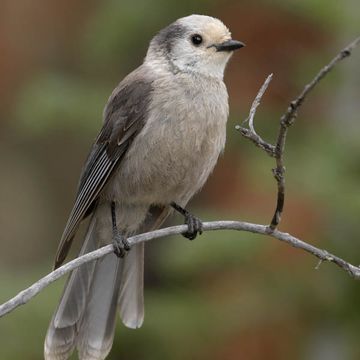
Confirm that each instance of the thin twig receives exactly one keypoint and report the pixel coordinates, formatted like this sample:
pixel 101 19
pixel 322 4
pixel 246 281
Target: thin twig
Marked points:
pixel 288 119
pixel 250 133
pixel 256 102
pixel 257 140
pixel 290 115
pixel 24 296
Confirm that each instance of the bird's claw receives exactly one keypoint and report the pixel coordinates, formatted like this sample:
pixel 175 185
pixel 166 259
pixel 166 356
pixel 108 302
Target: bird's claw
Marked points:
pixel 195 227
pixel 121 245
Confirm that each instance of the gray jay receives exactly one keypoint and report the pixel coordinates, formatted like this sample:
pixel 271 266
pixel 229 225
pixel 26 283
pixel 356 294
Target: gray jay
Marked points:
pixel 163 130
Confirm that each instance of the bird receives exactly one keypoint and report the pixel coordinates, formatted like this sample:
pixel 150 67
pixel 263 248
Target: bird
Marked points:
pixel 164 128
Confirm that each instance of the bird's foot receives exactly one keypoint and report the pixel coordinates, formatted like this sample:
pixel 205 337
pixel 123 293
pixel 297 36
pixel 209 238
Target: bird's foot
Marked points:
pixel 121 245
pixel 195 225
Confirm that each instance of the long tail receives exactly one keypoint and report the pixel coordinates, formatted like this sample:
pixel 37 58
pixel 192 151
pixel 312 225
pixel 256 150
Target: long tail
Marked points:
pixel 85 317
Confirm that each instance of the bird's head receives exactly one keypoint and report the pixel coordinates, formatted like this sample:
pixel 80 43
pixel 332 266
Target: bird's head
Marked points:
pixel 196 43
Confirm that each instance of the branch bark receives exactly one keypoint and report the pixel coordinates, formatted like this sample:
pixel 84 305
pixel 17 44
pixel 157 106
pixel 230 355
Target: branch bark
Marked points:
pixel 26 295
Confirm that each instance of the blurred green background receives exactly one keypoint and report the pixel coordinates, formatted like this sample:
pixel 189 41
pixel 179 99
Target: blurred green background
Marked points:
pixel 226 295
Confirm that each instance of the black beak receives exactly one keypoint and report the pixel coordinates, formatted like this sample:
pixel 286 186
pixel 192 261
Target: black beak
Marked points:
pixel 229 45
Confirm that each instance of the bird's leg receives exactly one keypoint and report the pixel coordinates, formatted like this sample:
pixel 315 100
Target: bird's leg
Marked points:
pixel 121 245
pixel 194 224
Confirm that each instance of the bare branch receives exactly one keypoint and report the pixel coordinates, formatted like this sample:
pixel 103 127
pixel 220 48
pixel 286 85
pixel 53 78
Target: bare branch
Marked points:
pixel 251 133
pixel 26 295
pixel 257 140
pixel 256 103
pixel 288 119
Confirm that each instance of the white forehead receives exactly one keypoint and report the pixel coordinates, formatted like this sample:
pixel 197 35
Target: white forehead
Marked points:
pixel 206 25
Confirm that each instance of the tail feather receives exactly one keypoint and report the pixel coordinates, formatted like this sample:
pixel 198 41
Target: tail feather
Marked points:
pixel 85 317
pixel 59 343
pixel 131 298
pixel 61 335
pixel 74 298
pixel 96 331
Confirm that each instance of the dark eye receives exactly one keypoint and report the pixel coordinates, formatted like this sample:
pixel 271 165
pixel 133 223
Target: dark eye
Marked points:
pixel 196 39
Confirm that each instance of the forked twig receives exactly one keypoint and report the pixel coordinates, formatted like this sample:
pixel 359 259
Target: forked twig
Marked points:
pixel 286 120
pixel 251 133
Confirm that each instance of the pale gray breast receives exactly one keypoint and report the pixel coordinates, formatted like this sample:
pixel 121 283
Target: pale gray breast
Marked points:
pixel 178 148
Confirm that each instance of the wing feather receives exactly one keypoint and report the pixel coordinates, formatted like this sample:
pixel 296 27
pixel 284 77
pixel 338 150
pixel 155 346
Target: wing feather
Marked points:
pixel 124 117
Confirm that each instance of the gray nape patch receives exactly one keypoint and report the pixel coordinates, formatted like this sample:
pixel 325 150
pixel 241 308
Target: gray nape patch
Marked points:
pixel 166 37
